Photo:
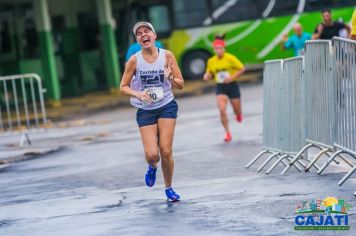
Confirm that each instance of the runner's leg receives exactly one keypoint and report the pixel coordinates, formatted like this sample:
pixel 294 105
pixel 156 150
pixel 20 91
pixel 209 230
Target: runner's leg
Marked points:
pixel 236 105
pixel 235 100
pixel 166 128
pixel 150 145
pixel 222 102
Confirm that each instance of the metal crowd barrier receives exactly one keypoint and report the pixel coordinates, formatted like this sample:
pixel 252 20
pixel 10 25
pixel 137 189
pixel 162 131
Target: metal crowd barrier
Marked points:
pixel 345 74
pixel 320 101
pixel 22 109
pixel 276 121
pixel 272 74
pixel 291 130
pixel 311 106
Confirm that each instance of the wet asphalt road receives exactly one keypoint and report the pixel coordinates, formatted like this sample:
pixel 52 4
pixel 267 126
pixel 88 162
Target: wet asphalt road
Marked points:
pixel 93 184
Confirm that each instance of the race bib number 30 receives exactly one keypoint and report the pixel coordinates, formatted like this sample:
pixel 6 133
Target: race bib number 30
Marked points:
pixel 221 76
pixel 156 94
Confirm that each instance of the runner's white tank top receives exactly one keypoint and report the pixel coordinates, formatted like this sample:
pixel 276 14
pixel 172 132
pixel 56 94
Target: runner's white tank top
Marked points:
pixel 150 77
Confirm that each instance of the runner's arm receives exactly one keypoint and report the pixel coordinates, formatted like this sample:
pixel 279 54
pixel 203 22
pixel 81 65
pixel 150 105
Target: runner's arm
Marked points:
pixel 240 68
pixel 126 80
pixel 175 77
pixel 234 77
pixel 208 72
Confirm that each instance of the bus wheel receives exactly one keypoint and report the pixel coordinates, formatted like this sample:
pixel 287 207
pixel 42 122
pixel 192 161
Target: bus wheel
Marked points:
pixel 194 64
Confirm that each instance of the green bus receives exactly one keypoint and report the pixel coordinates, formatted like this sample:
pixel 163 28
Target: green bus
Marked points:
pixel 253 28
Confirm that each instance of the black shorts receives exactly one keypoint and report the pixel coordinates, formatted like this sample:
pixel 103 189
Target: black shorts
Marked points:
pixel 232 90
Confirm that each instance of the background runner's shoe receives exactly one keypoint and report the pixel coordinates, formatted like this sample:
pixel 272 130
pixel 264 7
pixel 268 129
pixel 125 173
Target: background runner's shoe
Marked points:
pixel 239 118
pixel 150 176
pixel 171 195
pixel 227 137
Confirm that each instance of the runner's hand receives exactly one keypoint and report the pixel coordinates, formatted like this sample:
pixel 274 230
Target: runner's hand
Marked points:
pixel 228 80
pixel 144 96
pixel 207 76
pixel 168 69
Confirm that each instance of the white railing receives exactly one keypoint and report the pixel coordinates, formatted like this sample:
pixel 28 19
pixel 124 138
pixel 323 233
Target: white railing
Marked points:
pixel 22 109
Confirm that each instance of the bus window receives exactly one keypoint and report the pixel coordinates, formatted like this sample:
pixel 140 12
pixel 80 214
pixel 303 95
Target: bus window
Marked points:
pixel 229 11
pixel 139 13
pixel 285 7
pixel 317 5
pixel 188 13
pixel 343 3
pixel 159 17
pixel 157 13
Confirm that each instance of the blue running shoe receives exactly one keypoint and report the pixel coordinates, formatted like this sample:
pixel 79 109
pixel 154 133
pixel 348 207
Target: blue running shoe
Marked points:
pixel 171 195
pixel 150 176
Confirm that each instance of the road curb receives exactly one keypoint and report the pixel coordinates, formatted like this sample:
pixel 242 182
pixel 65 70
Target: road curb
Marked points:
pixel 3 164
pixel 27 154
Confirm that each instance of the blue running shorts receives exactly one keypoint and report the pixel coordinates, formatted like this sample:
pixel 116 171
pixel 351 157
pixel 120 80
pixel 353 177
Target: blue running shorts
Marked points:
pixel 150 117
